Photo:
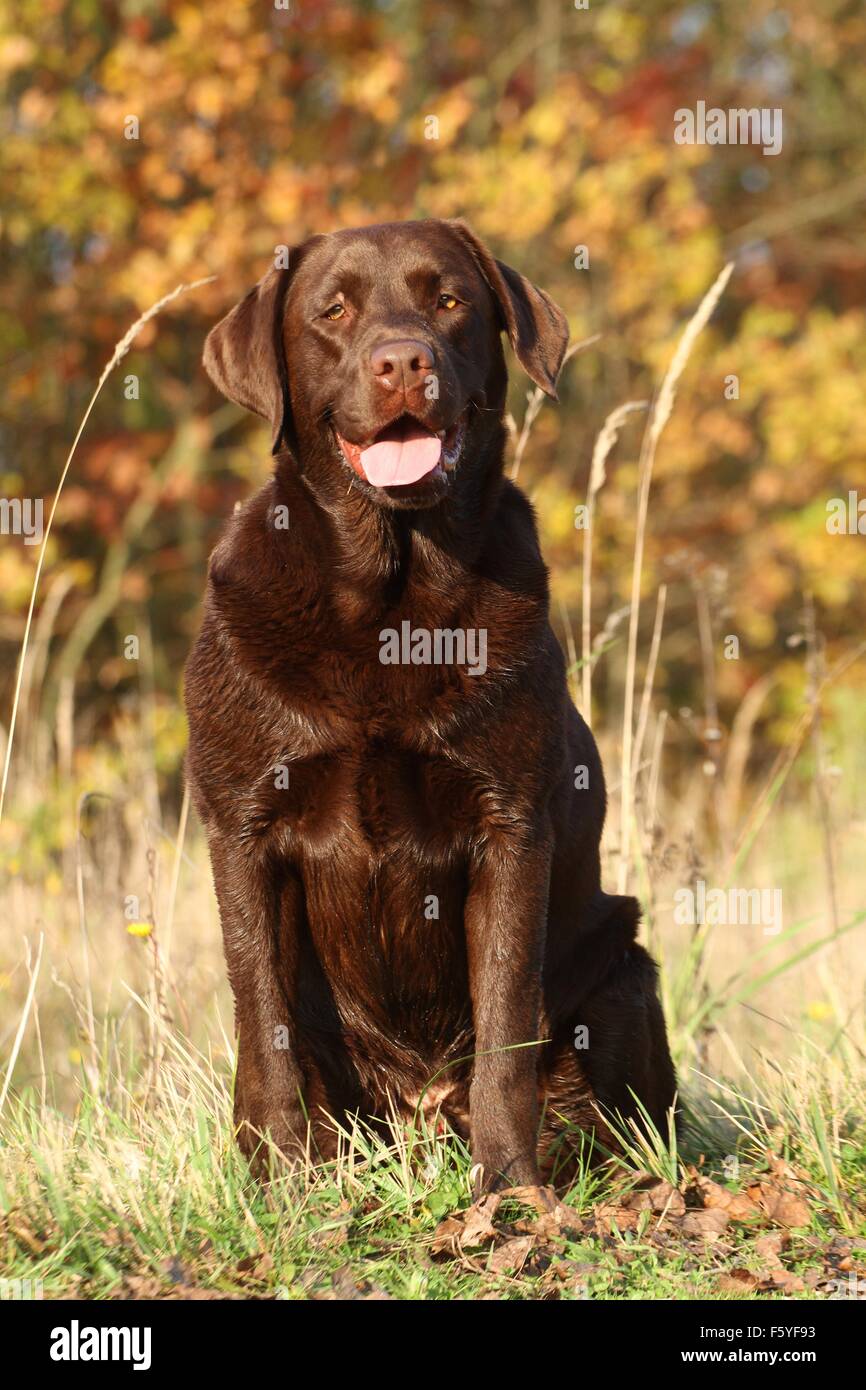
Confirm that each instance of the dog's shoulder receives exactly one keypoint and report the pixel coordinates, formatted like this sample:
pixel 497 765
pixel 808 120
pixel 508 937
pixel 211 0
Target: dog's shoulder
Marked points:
pixel 511 552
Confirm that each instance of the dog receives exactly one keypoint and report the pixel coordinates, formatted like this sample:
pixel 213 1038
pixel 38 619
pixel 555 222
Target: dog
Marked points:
pixel 404 843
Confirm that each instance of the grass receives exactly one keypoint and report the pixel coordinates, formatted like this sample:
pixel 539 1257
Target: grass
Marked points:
pixel 142 1193
pixel 119 1176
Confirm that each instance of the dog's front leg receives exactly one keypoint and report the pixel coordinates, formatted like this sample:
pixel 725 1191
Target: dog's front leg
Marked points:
pixel 505 920
pixel 260 912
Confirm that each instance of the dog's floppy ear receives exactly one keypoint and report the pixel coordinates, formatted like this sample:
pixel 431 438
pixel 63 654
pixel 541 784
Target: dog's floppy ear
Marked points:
pixel 536 327
pixel 245 355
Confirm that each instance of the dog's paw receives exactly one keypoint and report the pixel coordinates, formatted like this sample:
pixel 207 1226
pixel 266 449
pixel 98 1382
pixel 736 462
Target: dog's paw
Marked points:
pixel 504 1175
pixel 273 1144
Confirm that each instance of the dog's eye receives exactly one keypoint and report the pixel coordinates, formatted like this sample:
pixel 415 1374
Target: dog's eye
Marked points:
pixel 448 301
pixel 336 311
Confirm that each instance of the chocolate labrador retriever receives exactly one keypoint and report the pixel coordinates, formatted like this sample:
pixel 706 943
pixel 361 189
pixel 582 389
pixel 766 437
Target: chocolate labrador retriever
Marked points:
pixel 402 805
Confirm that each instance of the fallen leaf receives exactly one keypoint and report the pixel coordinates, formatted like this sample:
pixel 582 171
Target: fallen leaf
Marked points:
pixel 770 1245
pixel 478 1225
pixel 785 1208
pixel 511 1256
pixel 541 1199
pixel 659 1197
pixel 789 1283
pixel 609 1215
pixel 143 1286
pixel 554 1225
pixel 446 1237
pixel 708 1223
pixel 738 1206
pixel 738 1281
pixel 345 1286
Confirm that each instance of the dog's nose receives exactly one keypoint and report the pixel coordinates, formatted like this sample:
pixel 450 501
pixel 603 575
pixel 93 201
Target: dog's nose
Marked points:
pixel 402 361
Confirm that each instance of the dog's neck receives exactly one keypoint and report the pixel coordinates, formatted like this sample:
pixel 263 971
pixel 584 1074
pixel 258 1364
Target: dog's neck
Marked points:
pixel 380 553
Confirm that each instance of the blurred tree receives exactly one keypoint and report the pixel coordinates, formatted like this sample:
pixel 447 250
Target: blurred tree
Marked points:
pixel 145 142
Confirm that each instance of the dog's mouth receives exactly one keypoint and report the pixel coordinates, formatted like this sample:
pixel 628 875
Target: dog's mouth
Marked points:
pixel 405 452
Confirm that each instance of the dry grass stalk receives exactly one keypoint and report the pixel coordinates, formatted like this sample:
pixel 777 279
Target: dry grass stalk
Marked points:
pixel 661 413
pixel 120 351
pixel 22 1024
pixel 175 872
pixel 815 669
pixel 82 929
pixel 739 750
pixel 646 698
pixel 607 437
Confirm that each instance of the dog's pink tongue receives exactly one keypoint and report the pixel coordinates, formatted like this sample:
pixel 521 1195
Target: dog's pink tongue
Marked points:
pixel 409 454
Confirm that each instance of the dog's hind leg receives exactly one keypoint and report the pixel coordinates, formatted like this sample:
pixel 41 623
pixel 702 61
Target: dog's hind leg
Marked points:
pixel 608 1055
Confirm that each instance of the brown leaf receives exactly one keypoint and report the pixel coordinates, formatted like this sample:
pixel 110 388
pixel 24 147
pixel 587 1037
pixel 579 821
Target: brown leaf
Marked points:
pixel 568 1219
pixel 609 1214
pixel 785 1172
pixel 770 1246
pixel 257 1266
pixel 738 1281
pixel 655 1196
pixel 785 1208
pixel 786 1194
pixel 573 1273
pixel 554 1225
pixel 708 1224
pixel 511 1256
pixel 738 1206
pixel 841 1245
pixel 143 1286
pixel 478 1225
pixel 345 1286
pixel 541 1199
pixel 789 1283
pixel 446 1236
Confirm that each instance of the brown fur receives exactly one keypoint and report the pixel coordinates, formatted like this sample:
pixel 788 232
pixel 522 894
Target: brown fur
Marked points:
pixel 406 782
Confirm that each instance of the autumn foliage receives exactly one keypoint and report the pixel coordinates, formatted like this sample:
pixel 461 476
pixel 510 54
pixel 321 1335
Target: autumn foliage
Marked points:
pixel 550 129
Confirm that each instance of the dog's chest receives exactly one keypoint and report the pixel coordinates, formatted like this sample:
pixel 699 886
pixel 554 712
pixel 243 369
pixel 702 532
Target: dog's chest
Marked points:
pixel 370 800
pixel 377 761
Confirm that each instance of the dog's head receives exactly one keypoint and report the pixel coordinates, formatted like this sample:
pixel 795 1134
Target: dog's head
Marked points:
pixel 376 355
